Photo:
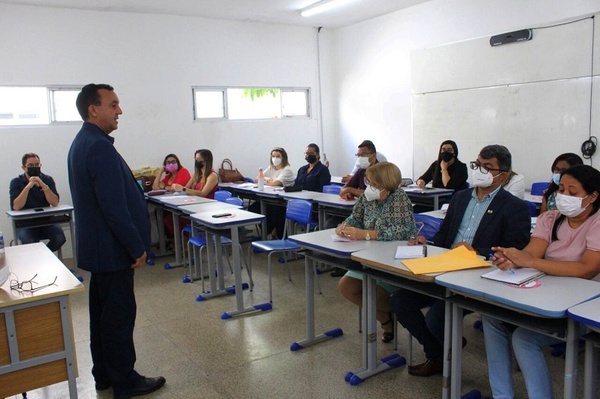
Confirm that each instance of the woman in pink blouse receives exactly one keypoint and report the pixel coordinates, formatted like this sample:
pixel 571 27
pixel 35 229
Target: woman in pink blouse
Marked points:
pixel 565 242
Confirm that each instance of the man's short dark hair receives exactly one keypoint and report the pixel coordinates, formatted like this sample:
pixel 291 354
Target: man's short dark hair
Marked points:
pixel 314 147
pixel 369 145
pixel 499 152
pixel 89 96
pixel 27 156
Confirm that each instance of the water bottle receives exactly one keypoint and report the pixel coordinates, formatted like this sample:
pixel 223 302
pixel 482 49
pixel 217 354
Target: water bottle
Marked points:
pixel 325 161
pixel 261 180
pixel 1 243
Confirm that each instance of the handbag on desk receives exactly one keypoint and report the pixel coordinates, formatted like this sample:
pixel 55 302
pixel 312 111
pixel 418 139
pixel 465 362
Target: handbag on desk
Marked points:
pixel 229 175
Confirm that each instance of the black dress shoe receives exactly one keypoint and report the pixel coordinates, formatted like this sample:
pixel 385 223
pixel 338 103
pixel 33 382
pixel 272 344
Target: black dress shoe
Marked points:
pixel 102 385
pixel 427 369
pixel 338 272
pixel 143 386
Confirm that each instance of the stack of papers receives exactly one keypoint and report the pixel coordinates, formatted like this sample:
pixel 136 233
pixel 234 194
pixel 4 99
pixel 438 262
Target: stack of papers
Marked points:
pixel 456 259
pixel 520 276
pixel 409 252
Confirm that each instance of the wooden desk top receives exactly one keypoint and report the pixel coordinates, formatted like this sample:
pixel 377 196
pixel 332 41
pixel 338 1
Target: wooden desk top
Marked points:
pixel 27 260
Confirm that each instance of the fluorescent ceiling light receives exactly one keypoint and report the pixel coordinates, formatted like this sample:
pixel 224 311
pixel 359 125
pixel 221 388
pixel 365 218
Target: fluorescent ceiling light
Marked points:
pixel 321 6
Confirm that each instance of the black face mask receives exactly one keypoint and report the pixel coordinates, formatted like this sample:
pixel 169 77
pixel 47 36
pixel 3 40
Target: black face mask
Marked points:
pixel 447 156
pixel 311 158
pixel 33 171
pixel 199 164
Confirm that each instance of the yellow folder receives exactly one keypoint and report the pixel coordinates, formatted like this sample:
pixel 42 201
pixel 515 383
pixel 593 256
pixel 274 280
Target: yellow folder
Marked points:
pixel 458 258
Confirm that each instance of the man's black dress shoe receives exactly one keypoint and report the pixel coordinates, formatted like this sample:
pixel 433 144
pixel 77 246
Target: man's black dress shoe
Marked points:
pixel 427 369
pixel 102 385
pixel 338 272
pixel 143 386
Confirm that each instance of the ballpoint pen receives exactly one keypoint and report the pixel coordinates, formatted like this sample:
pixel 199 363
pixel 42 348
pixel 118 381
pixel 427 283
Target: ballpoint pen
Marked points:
pixel 510 269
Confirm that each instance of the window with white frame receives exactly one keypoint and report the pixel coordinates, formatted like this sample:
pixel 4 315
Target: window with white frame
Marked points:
pixel 235 103
pixel 22 106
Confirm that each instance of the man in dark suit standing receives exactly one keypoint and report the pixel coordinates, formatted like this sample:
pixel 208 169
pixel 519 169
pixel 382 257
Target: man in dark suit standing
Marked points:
pixel 113 239
pixel 478 219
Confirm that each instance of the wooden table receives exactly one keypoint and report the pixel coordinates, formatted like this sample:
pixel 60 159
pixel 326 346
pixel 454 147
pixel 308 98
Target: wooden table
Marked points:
pixel 36 332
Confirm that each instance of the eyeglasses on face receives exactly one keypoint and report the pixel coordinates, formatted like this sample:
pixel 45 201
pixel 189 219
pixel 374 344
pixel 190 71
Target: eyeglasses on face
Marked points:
pixel 369 183
pixel 476 165
pixel 33 165
pixel 173 162
pixel 363 154
pixel 28 285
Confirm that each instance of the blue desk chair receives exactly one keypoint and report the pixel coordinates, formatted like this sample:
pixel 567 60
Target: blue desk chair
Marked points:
pixel 297 211
pixel 538 188
pixel 332 189
pixel 532 208
pixel 427 225
pixel 222 195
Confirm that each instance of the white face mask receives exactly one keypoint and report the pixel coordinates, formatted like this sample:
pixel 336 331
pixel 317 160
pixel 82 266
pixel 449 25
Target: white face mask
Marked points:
pixel 363 162
pixel 372 193
pixel 276 161
pixel 480 179
pixel 570 206
pixel 556 178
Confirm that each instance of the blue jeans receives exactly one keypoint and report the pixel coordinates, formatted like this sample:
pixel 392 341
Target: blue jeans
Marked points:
pixel 53 233
pixel 528 347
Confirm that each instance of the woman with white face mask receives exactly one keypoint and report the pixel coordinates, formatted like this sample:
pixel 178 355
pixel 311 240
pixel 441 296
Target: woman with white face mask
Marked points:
pixel 383 212
pixel 279 172
pixel 560 164
pixel 565 242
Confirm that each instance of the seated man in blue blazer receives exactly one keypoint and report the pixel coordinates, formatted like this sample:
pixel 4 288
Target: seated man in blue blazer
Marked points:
pixel 478 218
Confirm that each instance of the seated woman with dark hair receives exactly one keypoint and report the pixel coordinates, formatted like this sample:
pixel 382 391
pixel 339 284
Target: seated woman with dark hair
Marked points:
pixel 383 212
pixel 565 242
pixel 560 164
pixel 174 173
pixel 447 171
pixel 205 181
pixel 314 175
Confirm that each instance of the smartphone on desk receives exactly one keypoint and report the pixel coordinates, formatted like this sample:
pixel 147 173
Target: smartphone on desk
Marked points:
pixel 221 215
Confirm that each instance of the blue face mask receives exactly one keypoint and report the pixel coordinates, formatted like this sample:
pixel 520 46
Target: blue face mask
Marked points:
pixel 556 178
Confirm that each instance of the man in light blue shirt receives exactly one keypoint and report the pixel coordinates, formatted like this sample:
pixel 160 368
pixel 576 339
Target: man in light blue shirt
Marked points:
pixel 478 218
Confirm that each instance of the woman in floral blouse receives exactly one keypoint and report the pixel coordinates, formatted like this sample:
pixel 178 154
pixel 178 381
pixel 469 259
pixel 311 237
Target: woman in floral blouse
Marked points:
pixel 383 212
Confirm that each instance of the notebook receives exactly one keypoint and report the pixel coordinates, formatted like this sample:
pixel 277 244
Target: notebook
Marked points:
pixel 520 276
pixel 410 251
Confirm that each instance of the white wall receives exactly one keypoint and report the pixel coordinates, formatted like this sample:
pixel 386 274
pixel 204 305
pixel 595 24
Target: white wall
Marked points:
pixel 152 61
pixel 371 66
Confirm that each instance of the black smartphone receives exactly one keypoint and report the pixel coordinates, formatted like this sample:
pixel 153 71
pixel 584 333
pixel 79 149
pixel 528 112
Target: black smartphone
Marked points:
pixel 38 209
pixel 221 215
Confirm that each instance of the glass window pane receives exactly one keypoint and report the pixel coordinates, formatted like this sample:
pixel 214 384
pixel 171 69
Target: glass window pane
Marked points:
pixel 23 106
pixel 253 103
pixel 209 104
pixel 294 103
pixel 63 106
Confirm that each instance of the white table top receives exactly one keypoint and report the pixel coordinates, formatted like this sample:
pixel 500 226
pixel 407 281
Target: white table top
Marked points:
pixel 24 262
pixel 238 217
pixel 533 198
pixel 208 207
pixel 551 299
pixel 427 191
pixel 48 210
pixel 381 257
pixel 321 198
pixel 439 214
pixel 321 241
pixel 269 191
pixel 587 313
pixel 181 199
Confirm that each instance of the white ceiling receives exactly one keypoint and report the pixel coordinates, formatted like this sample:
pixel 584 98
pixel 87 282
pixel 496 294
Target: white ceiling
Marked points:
pixel 269 11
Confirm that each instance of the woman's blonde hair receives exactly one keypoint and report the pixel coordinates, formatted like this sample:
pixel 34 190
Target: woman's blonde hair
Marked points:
pixel 385 175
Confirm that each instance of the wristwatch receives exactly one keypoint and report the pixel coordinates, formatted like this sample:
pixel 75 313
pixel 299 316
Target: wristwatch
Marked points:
pixel 368 236
pixel 184 189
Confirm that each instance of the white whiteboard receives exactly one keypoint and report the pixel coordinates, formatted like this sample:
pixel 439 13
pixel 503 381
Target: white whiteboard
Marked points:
pixel 535 119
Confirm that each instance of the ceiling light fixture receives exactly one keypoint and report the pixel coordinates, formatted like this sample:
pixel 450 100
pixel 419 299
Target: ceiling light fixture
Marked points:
pixel 321 6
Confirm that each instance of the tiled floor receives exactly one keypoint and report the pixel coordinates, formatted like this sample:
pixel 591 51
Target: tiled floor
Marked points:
pixel 202 356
